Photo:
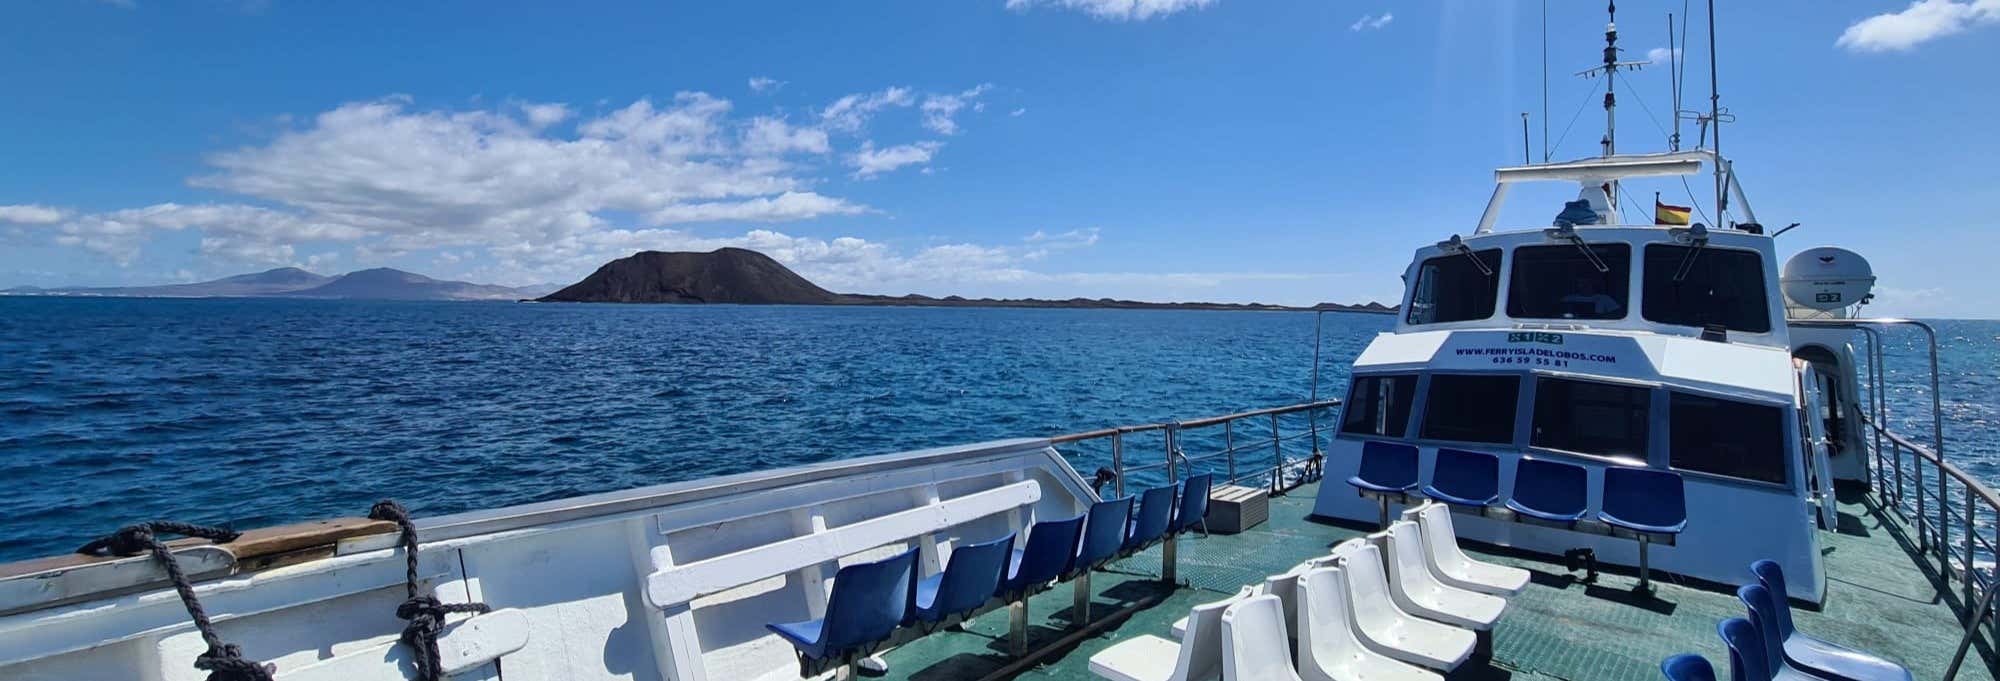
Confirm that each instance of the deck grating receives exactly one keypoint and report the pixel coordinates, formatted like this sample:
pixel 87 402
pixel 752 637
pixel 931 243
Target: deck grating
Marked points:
pixel 1879 599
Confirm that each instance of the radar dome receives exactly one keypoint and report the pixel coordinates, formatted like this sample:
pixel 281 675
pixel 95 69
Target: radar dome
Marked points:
pixel 1827 278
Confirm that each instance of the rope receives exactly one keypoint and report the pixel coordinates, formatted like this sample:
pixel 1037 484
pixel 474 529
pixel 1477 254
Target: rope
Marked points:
pixel 424 613
pixel 223 661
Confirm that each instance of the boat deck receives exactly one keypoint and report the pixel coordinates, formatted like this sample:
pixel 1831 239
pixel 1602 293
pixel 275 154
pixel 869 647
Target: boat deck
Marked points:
pixel 1880 599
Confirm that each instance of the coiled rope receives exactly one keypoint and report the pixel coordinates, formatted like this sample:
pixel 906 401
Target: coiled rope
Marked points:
pixel 223 661
pixel 424 612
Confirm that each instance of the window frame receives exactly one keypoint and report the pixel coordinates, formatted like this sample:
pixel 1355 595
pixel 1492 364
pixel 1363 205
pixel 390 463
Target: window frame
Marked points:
pixel 1762 292
pixel 1499 285
pixel 1625 310
pixel 1650 443
pixel 1421 410
pixel 1787 435
pixel 1417 382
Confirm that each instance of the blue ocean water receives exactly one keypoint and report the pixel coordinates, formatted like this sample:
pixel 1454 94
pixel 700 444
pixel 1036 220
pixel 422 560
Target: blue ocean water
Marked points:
pixel 256 412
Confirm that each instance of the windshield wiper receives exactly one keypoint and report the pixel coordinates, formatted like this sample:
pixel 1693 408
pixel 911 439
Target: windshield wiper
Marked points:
pixel 1568 233
pixel 1457 245
pixel 1697 238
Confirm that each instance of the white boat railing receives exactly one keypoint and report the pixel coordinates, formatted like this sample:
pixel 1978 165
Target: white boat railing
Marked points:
pixel 1945 505
pixel 1253 444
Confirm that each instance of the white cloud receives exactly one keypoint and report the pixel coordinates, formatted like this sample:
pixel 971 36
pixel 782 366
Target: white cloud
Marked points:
pixel 1369 22
pixel 870 161
pixel 1921 22
pixel 939 110
pixel 31 214
pixel 545 115
pixel 786 206
pixel 1115 10
pixel 768 136
pixel 1018 112
pixel 1042 244
pixel 763 85
pixel 850 113
pixel 1662 55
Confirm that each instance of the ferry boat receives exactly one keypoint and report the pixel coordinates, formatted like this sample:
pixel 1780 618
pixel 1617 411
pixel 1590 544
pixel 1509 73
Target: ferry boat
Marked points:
pixel 1587 450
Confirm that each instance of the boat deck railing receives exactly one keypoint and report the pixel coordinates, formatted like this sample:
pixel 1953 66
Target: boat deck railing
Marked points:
pixel 1956 516
pixel 1245 446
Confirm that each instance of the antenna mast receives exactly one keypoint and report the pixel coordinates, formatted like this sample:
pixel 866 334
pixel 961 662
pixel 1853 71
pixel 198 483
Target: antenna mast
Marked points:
pixel 1715 114
pixel 1610 72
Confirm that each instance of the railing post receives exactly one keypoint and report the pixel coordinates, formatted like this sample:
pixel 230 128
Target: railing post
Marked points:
pixel 1229 447
pixel 1118 462
pixel 1971 515
pixel 1278 459
pixel 1170 548
pixel 1923 520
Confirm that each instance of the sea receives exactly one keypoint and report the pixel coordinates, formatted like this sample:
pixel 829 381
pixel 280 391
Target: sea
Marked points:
pixel 248 412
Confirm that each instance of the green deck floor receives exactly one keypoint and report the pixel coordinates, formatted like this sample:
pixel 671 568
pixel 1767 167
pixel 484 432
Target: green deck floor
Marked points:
pixel 1879 599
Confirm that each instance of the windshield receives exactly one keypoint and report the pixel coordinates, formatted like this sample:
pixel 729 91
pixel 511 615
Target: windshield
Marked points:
pixel 1560 282
pixel 1452 288
pixel 1721 286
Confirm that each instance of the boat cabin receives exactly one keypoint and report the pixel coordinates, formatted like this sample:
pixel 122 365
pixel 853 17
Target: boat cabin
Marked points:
pixel 1543 367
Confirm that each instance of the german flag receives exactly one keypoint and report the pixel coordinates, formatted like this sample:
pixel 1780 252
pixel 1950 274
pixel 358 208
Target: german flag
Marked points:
pixel 1669 214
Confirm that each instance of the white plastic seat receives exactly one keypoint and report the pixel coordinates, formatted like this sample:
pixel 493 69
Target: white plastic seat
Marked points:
pixel 1417 592
pixel 1197 657
pixel 1390 631
pixel 1253 641
pixel 1450 565
pixel 1329 648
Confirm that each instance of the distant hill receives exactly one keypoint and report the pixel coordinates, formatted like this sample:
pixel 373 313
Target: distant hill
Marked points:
pixel 384 283
pixel 292 282
pixel 729 275
pixel 745 277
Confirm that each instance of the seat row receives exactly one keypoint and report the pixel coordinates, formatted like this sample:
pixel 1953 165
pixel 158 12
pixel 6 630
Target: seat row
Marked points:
pixel 1402 604
pixel 1647 504
pixel 874 602
pixel 1765 646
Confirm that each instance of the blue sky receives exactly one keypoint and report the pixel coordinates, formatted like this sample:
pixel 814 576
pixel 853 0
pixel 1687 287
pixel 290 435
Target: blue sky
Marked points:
pixel 1228 150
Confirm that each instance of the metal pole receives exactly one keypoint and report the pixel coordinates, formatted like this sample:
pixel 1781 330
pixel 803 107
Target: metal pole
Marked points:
pixel 1527 157
pixel 1715 114
pixel 1277 455
pixel 1971 517
pixel 1229 447
pixel 1169 550
pixel 1118 463
pixel 1923 537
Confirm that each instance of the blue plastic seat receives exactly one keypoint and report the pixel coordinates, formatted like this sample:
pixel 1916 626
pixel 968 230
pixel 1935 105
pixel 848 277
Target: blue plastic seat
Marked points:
pixel 1103 533
pixel 1647 502
pixel 1550 490
pixel 1644 500
pixel 1149 524
pixel 1818 657
pixel 1387 469
pixel 1050 551
pixel 1687 667
pixel 1463 478
pixel 1746 650
pixel 1193 509
pixel 869 601
pixel 1764 623
pixel 967 582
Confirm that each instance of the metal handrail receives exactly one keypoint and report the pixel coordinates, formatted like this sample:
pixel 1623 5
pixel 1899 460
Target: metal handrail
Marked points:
pixel 1174 457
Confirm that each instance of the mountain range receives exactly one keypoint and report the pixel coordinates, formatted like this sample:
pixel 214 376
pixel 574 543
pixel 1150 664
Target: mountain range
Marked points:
pixel 291 282
pixel 739 276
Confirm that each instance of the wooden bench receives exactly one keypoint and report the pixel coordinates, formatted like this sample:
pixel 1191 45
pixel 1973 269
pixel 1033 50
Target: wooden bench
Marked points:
pixel 1235 508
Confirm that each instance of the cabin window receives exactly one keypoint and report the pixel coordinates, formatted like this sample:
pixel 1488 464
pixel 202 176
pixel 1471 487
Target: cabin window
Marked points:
pixel 1727 437
pixel 1471 408
pixel 1720 286
pixel 1561 282
pixel 1452 288
pixel 1378 405
pixel 1588 417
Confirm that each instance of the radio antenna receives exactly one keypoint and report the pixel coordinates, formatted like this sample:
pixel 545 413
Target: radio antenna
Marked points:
pixel 1545 81
pixel 1715 114
pixel 1610 70
pixel 1674 80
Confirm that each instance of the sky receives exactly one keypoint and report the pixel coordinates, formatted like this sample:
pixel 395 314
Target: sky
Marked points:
pixel 1222 150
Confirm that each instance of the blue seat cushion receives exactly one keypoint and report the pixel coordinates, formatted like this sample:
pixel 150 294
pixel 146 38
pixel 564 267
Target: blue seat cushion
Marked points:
pixel 1386 467
pixel 1516 507
pixel 1834 661
pixel 1644 500
pixel 1372 487
pixel 1433 492
pixel 1463 478
pixel 927 591
pixel 803 635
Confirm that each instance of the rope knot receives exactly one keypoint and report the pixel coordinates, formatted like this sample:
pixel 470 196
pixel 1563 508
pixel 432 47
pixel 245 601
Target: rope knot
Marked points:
pixel 228 664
